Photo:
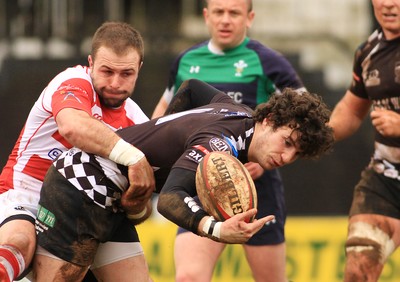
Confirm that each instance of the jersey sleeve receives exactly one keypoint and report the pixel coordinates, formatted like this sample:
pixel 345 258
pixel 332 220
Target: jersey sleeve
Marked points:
pixel 357 86
pixel 176 203
pixel 282 73
pixel 168 94
pixel 74 93
pixel 170 89
pixel 276 67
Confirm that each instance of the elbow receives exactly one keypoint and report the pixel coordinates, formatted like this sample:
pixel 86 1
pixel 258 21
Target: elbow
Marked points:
pixel 68 132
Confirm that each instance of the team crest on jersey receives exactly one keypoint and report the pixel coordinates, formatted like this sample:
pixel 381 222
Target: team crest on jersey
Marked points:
pixel 240 66
pixel 397 72
pixel 372 78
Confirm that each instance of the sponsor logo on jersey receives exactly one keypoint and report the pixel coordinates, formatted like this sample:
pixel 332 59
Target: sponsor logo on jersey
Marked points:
pixel 236 96
pixel 194 69
pixel 54 153
pixel 196 154
pixel 218 144
pixel 46 217
pixel 71 95
pixel 240 66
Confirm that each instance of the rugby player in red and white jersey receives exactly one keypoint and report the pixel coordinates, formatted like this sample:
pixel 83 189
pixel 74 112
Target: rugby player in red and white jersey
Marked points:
pixel 82 107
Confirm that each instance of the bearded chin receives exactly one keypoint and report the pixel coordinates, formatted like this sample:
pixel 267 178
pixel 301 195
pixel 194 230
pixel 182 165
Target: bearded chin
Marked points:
pixel 110 103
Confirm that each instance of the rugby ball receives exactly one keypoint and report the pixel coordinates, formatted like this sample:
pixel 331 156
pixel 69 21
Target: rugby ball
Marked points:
pixel 224 186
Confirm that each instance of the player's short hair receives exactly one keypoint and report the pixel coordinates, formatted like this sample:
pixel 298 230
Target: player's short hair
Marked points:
pixel 120 37
pixel 249 5
pixel 305 113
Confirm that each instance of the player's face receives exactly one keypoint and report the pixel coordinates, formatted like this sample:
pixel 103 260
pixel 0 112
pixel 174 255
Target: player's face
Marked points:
pixel 387 13
pixel 227 22
pixel 273 148
pixel 114 76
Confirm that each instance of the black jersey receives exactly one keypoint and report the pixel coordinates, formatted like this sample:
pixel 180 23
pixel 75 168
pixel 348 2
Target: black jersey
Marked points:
pixel 178 140
pixel 376 76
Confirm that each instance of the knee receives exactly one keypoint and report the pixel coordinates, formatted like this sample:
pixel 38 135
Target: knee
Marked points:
pixel 23 241
pixel 184 277
pixel 190 275
pixel 369 242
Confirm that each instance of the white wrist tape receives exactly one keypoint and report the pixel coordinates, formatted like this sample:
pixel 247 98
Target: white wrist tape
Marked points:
pixel 137 215
pixel 217 230
pixel 212 227
pixel 125 154
pixel 207 224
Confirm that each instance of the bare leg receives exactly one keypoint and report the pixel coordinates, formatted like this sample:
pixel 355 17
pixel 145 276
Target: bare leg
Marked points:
pixel 130 269
pixel 47 269
pixel 195 257
pixel 371 240
pixel 267 262
pixel 20 234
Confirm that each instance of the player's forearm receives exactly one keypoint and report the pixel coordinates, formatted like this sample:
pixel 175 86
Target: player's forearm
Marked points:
pixel 344 123
pixel 181 210
pixel 85 132
pixel 348 115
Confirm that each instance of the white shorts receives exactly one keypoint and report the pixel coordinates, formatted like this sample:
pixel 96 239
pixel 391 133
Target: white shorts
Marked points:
pixel 107 253
pixel 15 202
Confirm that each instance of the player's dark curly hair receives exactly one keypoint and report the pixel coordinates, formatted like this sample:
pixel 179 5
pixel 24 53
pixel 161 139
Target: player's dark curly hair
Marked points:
pixel 306 113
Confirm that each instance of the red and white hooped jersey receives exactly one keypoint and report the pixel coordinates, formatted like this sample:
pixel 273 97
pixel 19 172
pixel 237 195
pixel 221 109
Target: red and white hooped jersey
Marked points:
pixel 40 143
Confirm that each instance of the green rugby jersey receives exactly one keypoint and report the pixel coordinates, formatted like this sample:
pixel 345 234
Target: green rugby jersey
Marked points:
pixel 249 73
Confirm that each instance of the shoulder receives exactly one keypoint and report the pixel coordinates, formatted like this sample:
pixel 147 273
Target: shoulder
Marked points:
pixel 367 46
pixel 134 112
pixel 265 53
pixel 197 48
pixel 260 48
pixel 76 71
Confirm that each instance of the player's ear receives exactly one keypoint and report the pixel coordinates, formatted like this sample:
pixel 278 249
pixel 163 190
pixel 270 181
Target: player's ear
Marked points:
pixel 250 19
pixel 267 121
pixel 90 61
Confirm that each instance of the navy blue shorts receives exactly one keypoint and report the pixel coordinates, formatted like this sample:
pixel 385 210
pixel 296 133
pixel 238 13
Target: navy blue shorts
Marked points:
pixel 271 201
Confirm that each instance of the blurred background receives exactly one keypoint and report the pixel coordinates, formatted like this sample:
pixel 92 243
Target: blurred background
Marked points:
pixel 39 38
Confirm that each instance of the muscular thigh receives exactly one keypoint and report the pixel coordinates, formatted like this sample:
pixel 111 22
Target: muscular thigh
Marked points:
pixel 196 255
pixel 274 269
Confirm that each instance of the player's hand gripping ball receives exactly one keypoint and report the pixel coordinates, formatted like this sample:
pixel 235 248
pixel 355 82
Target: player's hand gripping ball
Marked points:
pixel 224 186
